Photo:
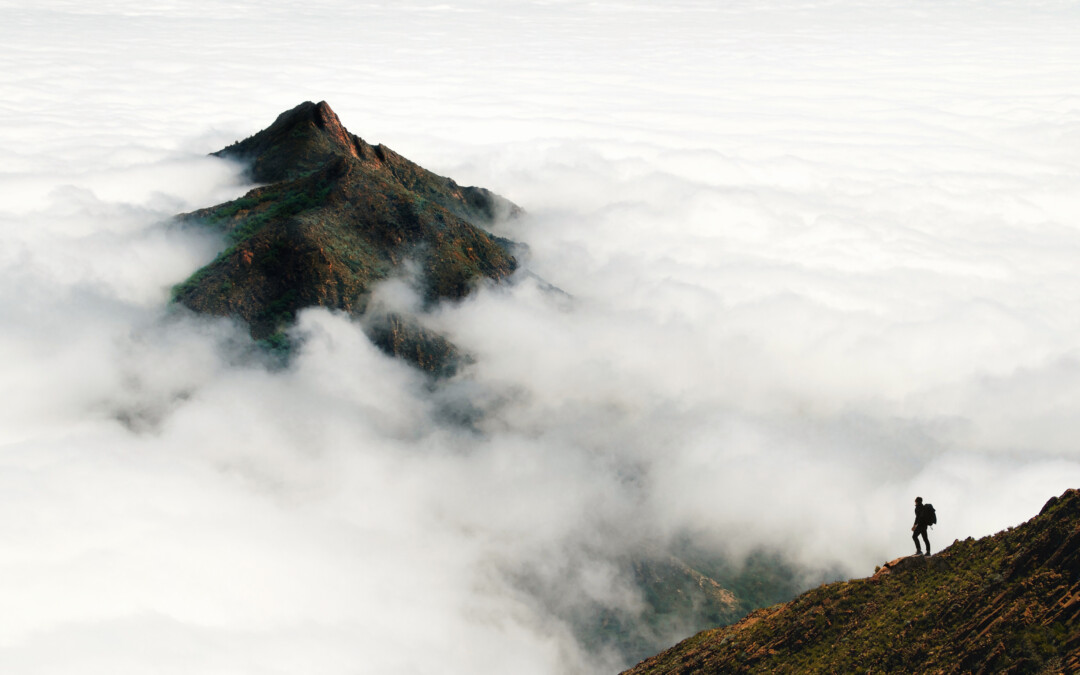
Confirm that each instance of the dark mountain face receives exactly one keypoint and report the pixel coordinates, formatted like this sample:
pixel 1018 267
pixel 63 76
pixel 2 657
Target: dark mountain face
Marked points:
pixel 338 216
pixel 1009 603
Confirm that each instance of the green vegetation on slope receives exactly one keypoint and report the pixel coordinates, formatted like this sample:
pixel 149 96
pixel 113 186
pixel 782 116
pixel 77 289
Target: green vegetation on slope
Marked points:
pixel 1006 603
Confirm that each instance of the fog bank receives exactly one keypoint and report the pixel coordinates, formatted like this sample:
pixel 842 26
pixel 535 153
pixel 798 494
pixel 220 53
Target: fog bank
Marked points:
pixel 816 259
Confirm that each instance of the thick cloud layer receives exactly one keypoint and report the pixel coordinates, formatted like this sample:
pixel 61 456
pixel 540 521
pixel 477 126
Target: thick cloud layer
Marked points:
pixel 817 258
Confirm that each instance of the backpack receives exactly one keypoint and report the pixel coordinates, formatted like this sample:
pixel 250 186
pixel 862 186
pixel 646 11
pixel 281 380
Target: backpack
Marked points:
pixel 929 515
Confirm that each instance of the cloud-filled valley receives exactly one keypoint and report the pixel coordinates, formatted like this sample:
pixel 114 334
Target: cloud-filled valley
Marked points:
pixel 814 259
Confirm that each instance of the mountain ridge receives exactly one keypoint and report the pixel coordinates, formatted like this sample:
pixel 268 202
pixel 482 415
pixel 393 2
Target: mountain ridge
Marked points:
pixel 1009 602
pixel 306 137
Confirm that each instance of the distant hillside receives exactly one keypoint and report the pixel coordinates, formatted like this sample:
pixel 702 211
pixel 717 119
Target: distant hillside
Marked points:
pixel 681 590
pixel 339 215
pixel 1009 603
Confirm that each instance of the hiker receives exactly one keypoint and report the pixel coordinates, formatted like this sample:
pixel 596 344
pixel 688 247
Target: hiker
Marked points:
pixel 924 517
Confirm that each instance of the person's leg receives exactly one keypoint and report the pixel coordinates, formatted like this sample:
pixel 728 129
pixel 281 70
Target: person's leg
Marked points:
pixel 915 538
pixel 926 540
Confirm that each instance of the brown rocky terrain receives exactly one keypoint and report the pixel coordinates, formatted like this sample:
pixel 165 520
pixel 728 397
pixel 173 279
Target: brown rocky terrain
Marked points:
pixel 1007 603
pixel 337 216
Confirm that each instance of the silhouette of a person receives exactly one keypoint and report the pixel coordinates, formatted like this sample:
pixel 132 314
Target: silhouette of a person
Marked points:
pixel 919 528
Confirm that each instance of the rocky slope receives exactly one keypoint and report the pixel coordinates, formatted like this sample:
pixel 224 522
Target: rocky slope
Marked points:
pixel 336 217
pixel 1009 603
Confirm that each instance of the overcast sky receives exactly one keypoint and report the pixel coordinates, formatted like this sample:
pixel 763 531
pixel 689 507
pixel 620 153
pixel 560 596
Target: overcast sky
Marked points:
pixel 819 258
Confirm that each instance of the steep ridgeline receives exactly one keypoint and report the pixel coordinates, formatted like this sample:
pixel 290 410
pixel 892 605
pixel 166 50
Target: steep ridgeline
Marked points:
pixel 335 217
pixel 1009 603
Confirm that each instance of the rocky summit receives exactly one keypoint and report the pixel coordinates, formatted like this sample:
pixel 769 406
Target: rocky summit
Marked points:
pixel 334 217
pixel 1008 603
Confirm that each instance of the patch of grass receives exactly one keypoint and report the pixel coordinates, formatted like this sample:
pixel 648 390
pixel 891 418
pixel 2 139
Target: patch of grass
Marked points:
pixel 191 283
pixel 278 344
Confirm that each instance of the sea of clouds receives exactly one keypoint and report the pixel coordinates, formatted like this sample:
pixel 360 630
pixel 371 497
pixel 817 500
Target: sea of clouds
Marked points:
pixel 817 258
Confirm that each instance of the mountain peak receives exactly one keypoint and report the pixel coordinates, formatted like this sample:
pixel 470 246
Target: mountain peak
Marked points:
pixel 336 217
pixel 327 120
pixel 299 141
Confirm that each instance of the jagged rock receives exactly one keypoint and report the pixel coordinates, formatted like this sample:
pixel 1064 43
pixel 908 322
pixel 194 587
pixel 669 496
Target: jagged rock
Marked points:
pixel 338 216
pixel 1009 603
